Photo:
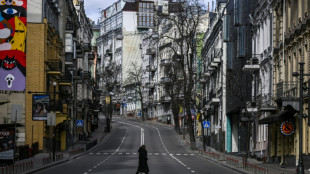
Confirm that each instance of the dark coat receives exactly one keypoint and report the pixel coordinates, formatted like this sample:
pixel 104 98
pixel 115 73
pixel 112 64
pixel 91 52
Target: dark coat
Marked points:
pixel 143 167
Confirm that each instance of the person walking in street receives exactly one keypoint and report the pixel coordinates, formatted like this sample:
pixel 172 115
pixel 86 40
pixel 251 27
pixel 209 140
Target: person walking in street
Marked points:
pixel 143 167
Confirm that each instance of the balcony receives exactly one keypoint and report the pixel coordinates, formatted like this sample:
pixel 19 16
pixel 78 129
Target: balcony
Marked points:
pixel 215 101
pixel 91 57
pixel 251 67
pixel 165 62
pixel 86 75
pixel 165 99
pixel 264 103
pixel 153 68
pixel 206 74
pixel 216 60
pixel 87 47
pixel 150 51
pixel 165 80
pixel 203 80
pixel 288 94
pixel 151 85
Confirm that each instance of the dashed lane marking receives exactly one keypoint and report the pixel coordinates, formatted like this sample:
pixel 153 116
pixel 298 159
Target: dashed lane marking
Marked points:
pixel 134 153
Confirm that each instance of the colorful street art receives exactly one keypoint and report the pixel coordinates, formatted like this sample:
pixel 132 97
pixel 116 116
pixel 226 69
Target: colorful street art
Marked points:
pixel 13 44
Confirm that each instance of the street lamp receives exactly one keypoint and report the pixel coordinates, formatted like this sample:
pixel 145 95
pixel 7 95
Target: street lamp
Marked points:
pixel 54 127
pixel 301 75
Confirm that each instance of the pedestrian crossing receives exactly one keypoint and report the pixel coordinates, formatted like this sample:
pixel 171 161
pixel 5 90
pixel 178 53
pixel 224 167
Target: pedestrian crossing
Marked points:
pixel 134 153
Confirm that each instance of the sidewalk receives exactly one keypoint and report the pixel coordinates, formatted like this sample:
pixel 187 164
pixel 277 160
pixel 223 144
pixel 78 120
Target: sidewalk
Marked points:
pixel 45 160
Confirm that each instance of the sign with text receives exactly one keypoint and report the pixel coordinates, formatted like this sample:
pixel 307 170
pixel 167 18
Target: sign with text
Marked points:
pixel 7 141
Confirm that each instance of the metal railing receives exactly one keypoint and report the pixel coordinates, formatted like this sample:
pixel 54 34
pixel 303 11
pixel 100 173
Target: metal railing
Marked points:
pixel 287 90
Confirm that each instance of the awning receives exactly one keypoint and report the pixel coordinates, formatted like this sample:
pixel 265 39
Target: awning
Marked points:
pixel 282 115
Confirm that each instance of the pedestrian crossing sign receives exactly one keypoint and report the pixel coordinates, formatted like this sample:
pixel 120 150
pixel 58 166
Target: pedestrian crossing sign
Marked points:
pixel 79 123
pixel 206 124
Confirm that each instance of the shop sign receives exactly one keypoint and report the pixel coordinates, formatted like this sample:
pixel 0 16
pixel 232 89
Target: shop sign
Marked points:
pixel 287 128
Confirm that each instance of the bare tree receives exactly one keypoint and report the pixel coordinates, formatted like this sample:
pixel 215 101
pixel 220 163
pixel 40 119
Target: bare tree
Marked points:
pixel 186 21
pixel 174 89
pixel 110 81
pixel 135 78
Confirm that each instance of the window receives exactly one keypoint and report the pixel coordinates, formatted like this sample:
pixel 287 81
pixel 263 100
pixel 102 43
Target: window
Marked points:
pixel 145 16
pixel 69 43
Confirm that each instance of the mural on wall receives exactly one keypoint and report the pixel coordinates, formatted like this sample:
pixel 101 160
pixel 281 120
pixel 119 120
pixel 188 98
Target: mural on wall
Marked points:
pixel 13 44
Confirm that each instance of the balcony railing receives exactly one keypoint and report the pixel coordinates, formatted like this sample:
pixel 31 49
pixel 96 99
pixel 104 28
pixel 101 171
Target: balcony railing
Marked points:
pixel 164 62
pixel 165 80
pixel 91 56
pixel 165 99
pixel 150 51
pixel 287 90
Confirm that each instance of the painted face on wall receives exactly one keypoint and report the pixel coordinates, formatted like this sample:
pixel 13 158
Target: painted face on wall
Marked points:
pixel 13 44
pixel 9 11
pixel 8 63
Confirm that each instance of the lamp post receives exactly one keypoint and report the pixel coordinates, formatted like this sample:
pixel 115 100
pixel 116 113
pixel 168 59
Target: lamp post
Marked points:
pixel 300 169
pixel 54 127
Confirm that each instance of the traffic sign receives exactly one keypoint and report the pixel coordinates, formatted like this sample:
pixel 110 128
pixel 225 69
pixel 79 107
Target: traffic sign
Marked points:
pixel 206 124
pixel 108 99
pixel 79 123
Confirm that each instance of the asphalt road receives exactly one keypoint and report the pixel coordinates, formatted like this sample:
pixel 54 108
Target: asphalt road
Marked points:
pixel 117 153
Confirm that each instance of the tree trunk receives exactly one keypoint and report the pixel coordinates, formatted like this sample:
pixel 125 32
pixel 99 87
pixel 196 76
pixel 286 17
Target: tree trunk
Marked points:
pixel 190 125
pixel 142 112
pixel 175 112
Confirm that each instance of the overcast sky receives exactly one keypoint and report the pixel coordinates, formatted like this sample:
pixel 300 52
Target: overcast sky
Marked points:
pixel 92 7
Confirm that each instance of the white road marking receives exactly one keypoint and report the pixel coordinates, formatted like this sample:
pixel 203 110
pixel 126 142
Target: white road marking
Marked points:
pixel 90 170
pixel 98 153
pixel 162 142
pixel 142 136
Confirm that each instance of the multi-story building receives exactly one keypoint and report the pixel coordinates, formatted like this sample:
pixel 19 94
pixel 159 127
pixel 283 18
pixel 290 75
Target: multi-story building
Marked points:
pixel 13 68
pixel 290 44
pixel 150 73
pixel 237 37
pixel 45 64
pixel 84 81
pixel 261 65
pixel 120 36
pixel 212 78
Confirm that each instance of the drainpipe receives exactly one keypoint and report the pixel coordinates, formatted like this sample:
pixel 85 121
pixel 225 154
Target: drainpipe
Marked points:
pixel 283 44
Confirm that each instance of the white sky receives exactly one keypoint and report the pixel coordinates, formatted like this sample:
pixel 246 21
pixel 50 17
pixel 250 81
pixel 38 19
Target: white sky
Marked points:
pixel 92 7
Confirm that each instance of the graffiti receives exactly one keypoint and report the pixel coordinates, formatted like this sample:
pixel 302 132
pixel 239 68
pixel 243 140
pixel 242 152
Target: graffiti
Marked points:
pixel 13 44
